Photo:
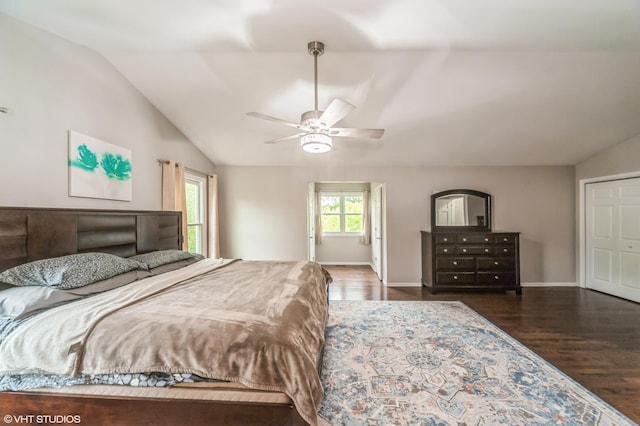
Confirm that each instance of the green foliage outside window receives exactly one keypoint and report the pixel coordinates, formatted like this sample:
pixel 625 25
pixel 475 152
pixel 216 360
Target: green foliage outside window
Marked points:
pixel 330 223
pixel 192 241
pixel 353 223
pixel 191 195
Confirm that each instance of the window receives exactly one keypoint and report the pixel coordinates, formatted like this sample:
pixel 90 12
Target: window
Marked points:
pixel 195 189
pixel 341 213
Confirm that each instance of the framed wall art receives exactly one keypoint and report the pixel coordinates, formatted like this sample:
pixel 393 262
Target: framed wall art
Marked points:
pixel 99 169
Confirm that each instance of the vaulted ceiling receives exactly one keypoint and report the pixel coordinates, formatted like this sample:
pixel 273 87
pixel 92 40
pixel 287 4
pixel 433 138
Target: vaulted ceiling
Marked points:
pixel 453 82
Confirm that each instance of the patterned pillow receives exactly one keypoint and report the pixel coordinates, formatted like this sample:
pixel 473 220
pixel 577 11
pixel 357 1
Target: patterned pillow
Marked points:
pixel 66 272
pixel 162 257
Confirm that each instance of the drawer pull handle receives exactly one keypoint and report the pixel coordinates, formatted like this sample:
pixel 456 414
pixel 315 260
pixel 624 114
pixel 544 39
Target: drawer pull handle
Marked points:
pixel 455 263
pixel 495 263
pixel 446 250
pixel 486 250
pixel 455 277
pixel 505 239
pixel 464 250
pixel 505 250
pixel 486 240
pixel 444 239
pixel 496 277
pixel 464 239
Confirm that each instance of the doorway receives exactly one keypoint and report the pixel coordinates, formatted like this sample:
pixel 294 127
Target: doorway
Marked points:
pixel 343 248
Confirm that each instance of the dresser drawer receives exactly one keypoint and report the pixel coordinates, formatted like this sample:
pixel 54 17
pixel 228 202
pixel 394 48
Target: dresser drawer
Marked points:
pixel 496 264
pixel 505 250
pixel 446 250
pixel 478 250
pixel 455 278
pixel 497 278
pixel 475 239
pixel 455 264
pixel 505 239
pixel 445 238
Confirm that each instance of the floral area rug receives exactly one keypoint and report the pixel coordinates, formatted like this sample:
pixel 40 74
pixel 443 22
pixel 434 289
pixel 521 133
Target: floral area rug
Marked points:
pixel 441 363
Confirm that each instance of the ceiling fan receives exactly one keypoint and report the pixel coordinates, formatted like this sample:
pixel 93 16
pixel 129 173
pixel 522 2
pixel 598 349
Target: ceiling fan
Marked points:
pixel 316 127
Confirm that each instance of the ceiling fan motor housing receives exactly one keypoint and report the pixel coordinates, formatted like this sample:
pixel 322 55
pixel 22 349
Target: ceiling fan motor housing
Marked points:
pixel 310 119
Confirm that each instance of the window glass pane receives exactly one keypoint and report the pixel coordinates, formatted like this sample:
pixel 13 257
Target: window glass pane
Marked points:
pixel 330 204
pixel 353 223
pixel 330 223
pixel 353 204
pixel 192 238
pixel 193 206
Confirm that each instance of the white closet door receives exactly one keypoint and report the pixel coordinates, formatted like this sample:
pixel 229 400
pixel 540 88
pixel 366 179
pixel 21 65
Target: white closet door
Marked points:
pixel 613 237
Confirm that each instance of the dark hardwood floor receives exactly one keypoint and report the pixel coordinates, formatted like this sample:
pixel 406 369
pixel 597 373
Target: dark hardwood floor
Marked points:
pixel 592 337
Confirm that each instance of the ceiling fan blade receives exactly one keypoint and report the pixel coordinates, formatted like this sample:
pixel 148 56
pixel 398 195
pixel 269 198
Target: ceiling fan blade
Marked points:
pixel 277 120
pixel 336 111
pixel 356 133
pixel 285 138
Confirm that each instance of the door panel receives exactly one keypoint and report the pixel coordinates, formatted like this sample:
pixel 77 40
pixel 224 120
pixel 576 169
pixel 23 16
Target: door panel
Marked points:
pixel 629 223
pixel 603 222
pixel 602 265
pixel 630 273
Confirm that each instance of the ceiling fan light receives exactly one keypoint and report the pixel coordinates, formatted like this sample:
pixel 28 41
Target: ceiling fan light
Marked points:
pixel 316 143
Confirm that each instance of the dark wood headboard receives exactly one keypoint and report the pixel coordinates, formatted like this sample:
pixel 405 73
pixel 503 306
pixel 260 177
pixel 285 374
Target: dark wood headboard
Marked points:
pixel 28 234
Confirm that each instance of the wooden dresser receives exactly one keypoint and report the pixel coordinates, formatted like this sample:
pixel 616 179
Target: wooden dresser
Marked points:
pixel 471 260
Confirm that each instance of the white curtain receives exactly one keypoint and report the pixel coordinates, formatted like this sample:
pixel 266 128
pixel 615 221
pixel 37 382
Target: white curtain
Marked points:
pixel 213 232
pixel 318 218
pixel 173 194
pixel 366 218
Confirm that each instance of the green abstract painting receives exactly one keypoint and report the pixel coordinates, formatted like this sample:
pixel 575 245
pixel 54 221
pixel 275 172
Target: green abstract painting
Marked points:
pixel 98 169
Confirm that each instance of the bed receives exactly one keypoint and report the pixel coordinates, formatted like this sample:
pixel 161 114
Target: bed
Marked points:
pixel 169 338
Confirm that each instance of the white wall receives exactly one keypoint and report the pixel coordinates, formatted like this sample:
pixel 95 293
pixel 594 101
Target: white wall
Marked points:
pixel 621 158
pixel 51 86
pixel 263 212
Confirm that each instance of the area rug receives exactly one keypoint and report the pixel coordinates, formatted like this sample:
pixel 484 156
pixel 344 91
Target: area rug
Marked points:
pixel 441 363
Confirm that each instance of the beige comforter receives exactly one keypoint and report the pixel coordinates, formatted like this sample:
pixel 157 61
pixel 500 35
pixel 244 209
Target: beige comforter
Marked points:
pixel 257 323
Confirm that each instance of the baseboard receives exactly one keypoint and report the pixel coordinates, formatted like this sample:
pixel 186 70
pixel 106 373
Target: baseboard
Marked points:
pixel 345 263
pixel 528 284
pixel 404 285
pixel 550 284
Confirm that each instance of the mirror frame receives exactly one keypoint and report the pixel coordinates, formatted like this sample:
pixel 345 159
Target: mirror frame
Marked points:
pixel 487 211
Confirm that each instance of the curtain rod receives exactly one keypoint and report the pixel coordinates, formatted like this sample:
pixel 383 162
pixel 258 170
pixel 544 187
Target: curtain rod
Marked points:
pixel 161 162
pixel 337 191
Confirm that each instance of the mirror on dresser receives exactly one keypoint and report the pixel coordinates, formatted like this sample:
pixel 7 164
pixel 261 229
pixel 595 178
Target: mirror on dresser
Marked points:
pixel 461 252
pixel 464 209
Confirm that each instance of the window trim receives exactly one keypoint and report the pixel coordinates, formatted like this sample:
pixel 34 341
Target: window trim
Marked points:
pixel 201 181
pixel 342 214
